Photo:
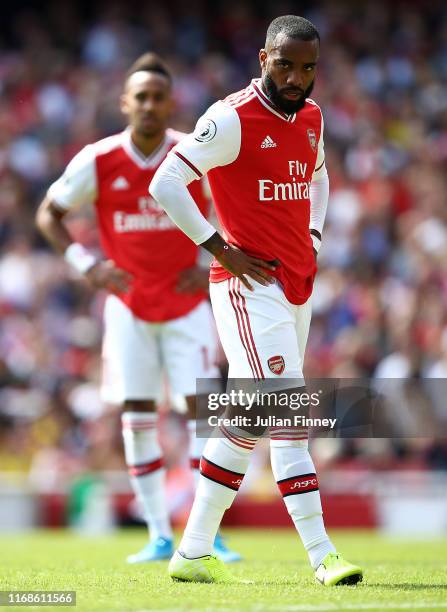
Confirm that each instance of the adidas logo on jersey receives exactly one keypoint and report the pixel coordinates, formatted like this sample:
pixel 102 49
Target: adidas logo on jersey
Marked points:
pixel 268 143
pixel 120 183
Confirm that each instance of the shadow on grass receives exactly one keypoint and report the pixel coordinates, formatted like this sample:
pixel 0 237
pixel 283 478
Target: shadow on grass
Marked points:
pixel 392 586
pixel 300 584
pixel 410 586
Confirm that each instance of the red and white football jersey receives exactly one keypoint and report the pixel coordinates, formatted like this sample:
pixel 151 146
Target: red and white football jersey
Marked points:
pixel 260 164
pixel 135 232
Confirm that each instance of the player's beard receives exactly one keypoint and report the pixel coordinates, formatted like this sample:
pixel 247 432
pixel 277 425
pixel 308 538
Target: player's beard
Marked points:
pixel 287 106
pixel 151 132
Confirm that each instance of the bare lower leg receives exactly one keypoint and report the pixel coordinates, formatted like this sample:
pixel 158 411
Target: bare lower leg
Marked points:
pixel 139 406
pixel 197 437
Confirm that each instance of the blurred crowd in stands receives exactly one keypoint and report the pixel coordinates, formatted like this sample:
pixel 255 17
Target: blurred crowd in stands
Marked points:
pixel 380 300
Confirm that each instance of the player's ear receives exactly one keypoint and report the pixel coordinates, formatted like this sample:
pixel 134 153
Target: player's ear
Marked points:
pixel 263 58
pixel 124 106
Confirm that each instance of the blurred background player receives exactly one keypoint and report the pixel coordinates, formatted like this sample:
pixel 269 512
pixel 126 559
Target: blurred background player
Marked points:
pixel 157 318
pixel 262 148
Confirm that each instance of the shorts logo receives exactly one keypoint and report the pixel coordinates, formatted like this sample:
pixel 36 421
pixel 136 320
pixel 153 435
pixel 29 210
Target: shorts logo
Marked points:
pixel 276 364
pixel 205 130
pixel 312 139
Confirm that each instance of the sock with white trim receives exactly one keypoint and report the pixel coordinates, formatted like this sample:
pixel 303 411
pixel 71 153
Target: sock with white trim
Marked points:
pixel 222 469
pixel 294 471
pixel 147 474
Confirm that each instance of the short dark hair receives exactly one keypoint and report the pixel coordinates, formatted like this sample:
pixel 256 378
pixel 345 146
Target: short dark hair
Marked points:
pixel 292 26
pixel 149 62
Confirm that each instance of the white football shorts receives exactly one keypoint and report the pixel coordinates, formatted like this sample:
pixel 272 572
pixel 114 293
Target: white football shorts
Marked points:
pixel 263 335
pixel 137 354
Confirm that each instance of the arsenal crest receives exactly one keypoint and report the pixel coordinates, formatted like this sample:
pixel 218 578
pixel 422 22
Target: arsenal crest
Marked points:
pixel 312 139
pixel 277 364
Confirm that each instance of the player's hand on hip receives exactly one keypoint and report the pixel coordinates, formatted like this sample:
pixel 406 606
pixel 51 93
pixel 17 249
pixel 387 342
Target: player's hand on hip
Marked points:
pixel 241 265
pixel 193 279
pixel 106 275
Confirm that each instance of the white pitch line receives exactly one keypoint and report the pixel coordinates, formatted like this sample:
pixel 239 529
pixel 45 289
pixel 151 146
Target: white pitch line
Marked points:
pixel 323 607
pixel 359 606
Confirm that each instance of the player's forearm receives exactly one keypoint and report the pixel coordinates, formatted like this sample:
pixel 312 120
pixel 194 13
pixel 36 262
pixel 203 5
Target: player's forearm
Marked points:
pixel 169 188
pixel 319 195
pixel 215 245
pixel 50 224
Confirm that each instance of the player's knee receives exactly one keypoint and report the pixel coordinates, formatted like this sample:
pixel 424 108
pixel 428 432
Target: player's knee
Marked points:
pixel 139 406
pixel 255 431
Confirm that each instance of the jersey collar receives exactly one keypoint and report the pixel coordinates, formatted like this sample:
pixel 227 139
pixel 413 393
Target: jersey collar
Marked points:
pixel 265 101
pixel 154 159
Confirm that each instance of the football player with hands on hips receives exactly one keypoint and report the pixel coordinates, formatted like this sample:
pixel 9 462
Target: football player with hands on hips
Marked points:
pixel 157 318
pixel 262 151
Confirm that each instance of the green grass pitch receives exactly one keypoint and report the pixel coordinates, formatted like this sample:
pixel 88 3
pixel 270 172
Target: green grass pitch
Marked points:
pixel 399 575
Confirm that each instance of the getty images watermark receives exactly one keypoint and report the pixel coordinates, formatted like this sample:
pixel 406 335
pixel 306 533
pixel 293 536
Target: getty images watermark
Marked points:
pixel 251 402
pixel 392 408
